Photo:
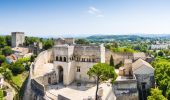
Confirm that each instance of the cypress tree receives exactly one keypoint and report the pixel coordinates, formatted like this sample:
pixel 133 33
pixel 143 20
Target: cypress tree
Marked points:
pixel 111 61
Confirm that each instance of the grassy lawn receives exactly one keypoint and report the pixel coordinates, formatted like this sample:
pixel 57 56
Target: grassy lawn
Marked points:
pixel 1 95
pixel 19 79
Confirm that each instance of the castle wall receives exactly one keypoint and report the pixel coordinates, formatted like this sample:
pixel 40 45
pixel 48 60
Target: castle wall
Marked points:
pixel 88 51
pixel 118 57
pixel 43 58
pixel 48 78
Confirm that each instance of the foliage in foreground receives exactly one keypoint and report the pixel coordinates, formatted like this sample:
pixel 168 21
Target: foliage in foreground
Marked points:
pixel 102 72
pixel 156 94
pixel 162 75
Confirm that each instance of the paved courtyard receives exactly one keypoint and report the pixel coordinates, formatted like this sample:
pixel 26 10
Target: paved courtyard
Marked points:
pixel 75 92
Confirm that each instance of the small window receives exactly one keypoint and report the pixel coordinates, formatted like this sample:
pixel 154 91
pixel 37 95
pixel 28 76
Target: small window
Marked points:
pixel 93 60
pixel 60 58
pixel 78 69
pixel 65 59
pixel 57 58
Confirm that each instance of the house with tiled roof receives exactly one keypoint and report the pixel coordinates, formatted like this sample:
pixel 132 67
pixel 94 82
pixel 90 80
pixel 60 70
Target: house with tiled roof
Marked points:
pixel 144 74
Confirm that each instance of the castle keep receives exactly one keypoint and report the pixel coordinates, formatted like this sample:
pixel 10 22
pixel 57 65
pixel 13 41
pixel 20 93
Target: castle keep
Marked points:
pixel 18 39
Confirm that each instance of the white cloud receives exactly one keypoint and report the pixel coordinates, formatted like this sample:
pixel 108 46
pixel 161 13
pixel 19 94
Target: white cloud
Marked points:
pixel 94 11
pixel 100 16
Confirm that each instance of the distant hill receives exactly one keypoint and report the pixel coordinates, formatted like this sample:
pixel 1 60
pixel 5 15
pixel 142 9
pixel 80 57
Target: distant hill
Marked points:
pixel 116 37
pixel 128 37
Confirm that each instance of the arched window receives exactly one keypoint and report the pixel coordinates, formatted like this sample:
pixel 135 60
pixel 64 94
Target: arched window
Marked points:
pixel 49 80
pixel 60 58
pixel 65 59
pixel 93 60
pixel 56 58
pixel 78 68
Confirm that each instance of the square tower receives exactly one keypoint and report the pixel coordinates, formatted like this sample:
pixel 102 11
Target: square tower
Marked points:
pixel 18 39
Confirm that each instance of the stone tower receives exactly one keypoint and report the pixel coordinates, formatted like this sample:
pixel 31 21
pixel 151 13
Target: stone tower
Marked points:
pixel 18 39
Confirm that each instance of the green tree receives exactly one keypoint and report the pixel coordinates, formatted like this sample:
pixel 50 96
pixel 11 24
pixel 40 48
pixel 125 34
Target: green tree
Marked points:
pixel 156 94
pixel 102 72
pixel 30 40
pixel 160 53
pixel 82 41
pixel 17 68
pixel 162 75
pixel 2 59
pixel 163 78
pixel 7 51
pixel 2 42
pixel 8 40
pixel 111 61
pixel 48 44
pixel 141 47
pixel 114 45
pixel 108 46
pixel 32 58
pixel 8 74
pixel 4 67
pixel 5 71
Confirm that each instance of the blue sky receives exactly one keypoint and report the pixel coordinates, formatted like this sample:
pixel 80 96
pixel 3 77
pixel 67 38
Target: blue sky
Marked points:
pixel 84 17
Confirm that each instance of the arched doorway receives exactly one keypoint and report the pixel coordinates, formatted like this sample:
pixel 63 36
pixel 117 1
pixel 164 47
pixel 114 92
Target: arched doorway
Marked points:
pixel 60 74
pixel 49 80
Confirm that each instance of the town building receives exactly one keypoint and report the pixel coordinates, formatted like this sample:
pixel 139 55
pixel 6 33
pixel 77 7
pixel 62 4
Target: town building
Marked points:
pixel 134 80
pixel 144 73
pixel 159 46
pixel 125 86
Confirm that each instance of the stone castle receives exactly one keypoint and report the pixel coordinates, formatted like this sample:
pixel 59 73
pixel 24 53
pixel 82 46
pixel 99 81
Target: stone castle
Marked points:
pixel 67 63
pixel 64 64
pixel 18 39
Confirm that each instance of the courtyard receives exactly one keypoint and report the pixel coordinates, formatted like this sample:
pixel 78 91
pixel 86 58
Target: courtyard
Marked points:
pixel 75 92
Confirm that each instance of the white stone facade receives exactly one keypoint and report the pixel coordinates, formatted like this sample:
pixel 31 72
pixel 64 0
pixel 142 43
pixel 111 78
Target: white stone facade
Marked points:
pixel 69 62
pixel 18 39
pixel 75 61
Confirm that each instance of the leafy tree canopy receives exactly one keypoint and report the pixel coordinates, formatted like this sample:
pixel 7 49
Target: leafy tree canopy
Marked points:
pixel 160 53
pixel 8 40
pixel 47 44
pixel 7 51
pixel 156 94
pixel 2 59
pixel 102 72
pixel 17 68
pixel 30 40
pixel 2 41
pixel 82 41
pixel 162 75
